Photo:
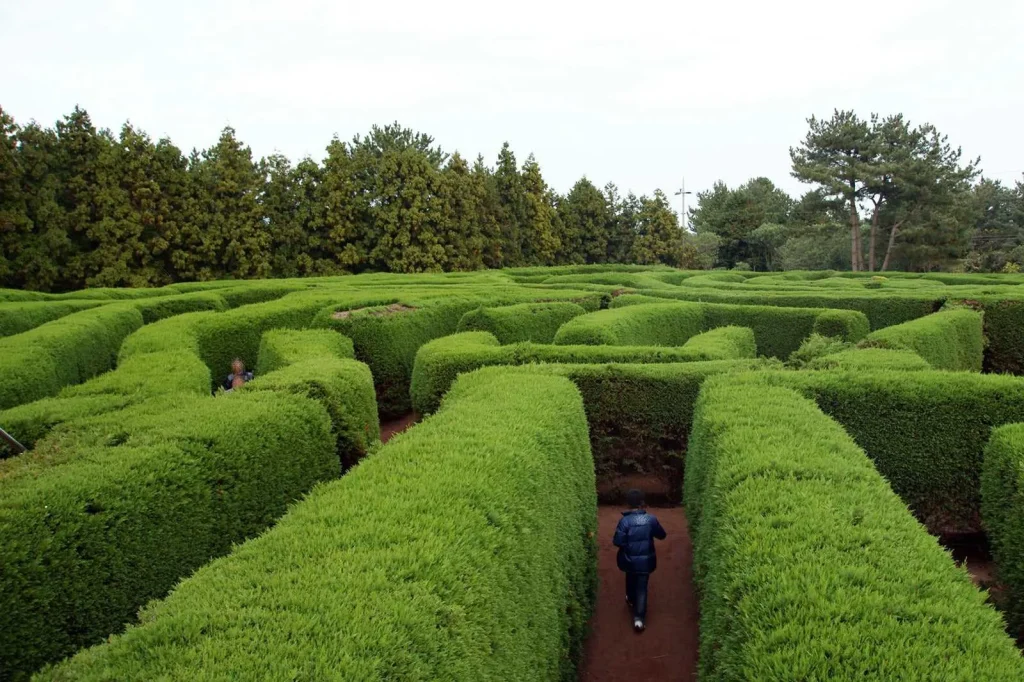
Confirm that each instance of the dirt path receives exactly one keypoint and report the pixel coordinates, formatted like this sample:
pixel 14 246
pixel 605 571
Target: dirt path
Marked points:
pixel 667 650
pixel 393 427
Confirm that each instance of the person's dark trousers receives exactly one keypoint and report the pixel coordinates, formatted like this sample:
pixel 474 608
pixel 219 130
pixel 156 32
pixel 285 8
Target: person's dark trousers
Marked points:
pixel 636 593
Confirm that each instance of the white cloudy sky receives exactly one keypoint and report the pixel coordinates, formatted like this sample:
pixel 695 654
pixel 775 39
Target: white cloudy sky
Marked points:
pixel 640 93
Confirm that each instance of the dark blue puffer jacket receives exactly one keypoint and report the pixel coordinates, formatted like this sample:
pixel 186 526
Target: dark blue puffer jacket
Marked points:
pixel 635 537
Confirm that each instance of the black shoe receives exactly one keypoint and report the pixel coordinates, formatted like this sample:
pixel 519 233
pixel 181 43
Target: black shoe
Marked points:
pixel 638 625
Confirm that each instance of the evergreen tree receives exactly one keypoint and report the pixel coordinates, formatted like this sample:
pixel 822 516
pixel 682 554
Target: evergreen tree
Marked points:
pixel 15 224
pixel 279 202
pixel 40 255
pixel 488 212
pixel 84 167
pixel 406 212
pixel 839 155
pixel 734 214
pixel 623 230
pixel 588 223
pixel 314 255
pixel 234 241
pixel 461 230
pixel 511 215
pixel 538 231
pixel 346 208
pixel 658 238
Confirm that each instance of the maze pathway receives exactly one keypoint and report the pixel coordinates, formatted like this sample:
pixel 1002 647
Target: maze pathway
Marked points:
pixel 667 650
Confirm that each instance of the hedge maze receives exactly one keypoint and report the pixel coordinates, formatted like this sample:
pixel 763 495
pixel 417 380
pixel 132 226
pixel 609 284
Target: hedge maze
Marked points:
pixel 824 431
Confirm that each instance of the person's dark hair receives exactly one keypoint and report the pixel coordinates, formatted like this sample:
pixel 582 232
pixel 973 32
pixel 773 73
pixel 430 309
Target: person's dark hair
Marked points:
pixel 635 498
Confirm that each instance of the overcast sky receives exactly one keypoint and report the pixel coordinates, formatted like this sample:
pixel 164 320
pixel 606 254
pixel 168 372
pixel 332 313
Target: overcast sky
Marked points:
pixel 637 93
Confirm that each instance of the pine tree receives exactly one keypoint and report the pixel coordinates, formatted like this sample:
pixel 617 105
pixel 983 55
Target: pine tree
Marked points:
pixel 234 238
pixel 488 212
pixel 588 223
pixel 348 239
pixel 40 255
pixel 315 256
pixel 623 231
pixel 461 234
pixel 511 214
pixel 658 232
pixel 15 224
pixel 406 210
pixel 84 168
pixel 540 243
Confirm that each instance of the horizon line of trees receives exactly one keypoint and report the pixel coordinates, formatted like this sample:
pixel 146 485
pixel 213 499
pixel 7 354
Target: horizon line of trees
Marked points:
pixel 86 207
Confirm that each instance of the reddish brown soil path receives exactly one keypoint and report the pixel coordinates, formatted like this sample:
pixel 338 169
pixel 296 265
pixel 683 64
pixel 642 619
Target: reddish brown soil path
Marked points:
pixel 667 649
pixel 393 427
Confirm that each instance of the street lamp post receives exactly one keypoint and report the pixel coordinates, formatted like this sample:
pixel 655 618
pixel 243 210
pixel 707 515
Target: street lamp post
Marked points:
pixel 682 194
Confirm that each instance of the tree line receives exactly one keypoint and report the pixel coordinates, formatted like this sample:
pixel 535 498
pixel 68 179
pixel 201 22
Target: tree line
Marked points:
pixel 885 195
pixel 86 207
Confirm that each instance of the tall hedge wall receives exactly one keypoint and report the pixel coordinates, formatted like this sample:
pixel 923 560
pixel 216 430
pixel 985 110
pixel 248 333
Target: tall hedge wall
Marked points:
pixel 809 566
pixel 317 363
pixel 537 322
pixel 114 513
pixel 649 325
pixel 38 363
pixel 388 335
pixel 1002 508
pixel 16 318
pixel 951 339
pixel 635 320
pixel 926 431
pixel 440 361
pixel 282 347
pixel 436 558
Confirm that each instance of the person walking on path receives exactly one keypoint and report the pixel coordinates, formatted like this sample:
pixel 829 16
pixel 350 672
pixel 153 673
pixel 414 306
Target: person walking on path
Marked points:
pixel 635 537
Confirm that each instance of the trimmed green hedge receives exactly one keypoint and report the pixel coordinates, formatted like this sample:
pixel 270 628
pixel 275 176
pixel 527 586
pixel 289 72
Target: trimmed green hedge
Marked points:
pixel 282 347
pixel 883 309
pixel 16 318
pixel 440 361
pixel 154 309
pixel 926 431
pixel 110 294
pixel 636 320
pixel 31 422
pixel 669 324
pixel 218 338
pixel 808 565
pixel 136 379
pixel 780 331
pixel 1002 509
pixel 951 339
pixel 317 363
pixel 388 335
pixel 257 292
pixel 640 415
pixel 38 363
pixel 722 343
pixel 19 296
pixel 115 511
pixel 414 566
pixel 537 322
pixel 1004 332
pixel 842 324
pixel 871 359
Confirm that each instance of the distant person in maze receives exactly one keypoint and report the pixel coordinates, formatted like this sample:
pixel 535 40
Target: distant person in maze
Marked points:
pixel 238 375
pixel 635 537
